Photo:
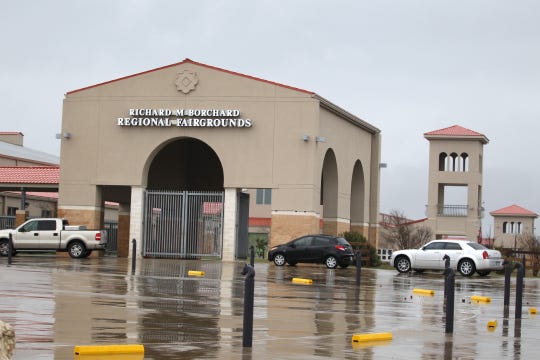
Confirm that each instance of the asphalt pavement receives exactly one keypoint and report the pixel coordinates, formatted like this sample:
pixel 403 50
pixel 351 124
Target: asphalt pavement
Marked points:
pixel 57 303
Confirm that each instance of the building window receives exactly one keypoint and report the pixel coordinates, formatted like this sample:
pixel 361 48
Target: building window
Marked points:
pixel 12 211
pixel 512 227
pixel 46 213
pixel 264 196
pixel 454 162
pixel 384 254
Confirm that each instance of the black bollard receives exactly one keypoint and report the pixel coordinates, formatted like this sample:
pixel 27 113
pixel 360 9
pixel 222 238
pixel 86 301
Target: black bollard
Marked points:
pixel 358 266
pixel 252 255
pixel 449 290
pixel 10 248
pixel 133 255
pixel 507 273
pixel 446 259
pixel 519 289
pixel 249 294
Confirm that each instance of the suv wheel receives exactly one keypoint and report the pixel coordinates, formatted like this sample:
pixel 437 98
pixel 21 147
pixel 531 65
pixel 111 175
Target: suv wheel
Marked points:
pixel 331 262
pixel 279 260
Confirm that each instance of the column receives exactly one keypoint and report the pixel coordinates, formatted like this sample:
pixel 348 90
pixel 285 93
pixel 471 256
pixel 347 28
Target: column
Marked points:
pixel 136 219
pixel 123 230
pixel 229 224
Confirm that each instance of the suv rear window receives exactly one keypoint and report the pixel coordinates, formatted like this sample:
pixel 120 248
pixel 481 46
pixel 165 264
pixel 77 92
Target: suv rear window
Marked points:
pixel 342 241
pixel 320 241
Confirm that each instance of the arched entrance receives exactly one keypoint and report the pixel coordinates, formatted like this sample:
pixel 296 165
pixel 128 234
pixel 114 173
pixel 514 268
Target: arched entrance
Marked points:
pixel 186 164
pixel 329 193
pixel 183 214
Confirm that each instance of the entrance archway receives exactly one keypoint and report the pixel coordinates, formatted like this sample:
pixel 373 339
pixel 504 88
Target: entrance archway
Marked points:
pixel 183 215
pixel 186 164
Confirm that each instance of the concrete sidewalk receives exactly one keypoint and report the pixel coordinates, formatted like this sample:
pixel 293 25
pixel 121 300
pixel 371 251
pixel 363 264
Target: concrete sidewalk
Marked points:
pixel 57 303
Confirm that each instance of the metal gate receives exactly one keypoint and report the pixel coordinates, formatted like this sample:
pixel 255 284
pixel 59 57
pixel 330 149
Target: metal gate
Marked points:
pixel 182 224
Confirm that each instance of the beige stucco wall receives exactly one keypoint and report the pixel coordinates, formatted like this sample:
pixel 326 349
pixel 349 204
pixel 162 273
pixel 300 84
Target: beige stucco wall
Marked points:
pixel 14 138
pixel 511 240
pixel 349 143
pixel 472 179
pixel 35 204
pixel 100 152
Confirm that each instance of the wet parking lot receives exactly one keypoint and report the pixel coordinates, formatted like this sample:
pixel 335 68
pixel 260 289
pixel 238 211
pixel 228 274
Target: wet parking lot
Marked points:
pixel 56 303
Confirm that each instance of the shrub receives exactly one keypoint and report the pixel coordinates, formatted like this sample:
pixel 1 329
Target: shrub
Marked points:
pixel 359 242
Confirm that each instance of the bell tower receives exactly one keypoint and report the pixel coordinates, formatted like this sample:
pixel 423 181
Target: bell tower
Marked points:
pixel 455 182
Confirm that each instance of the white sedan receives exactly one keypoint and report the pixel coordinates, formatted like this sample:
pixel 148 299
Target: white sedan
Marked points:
pixel 465 257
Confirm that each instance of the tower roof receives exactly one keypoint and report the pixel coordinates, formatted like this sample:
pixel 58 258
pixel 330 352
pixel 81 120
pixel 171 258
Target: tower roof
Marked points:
pixel 514 210
pixel 456 132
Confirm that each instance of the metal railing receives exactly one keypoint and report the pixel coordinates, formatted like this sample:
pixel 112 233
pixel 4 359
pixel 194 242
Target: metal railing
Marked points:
pixel 452 210
pixel 112 235
pixel 7 222
pixel 458 210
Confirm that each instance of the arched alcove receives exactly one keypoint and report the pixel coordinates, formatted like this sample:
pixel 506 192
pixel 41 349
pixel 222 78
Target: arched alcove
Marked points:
pixel 357 197
pixel 185 164
pixel 329 192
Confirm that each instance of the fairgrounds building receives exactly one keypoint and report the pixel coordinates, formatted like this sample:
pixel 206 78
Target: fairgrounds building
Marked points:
pixel 181 147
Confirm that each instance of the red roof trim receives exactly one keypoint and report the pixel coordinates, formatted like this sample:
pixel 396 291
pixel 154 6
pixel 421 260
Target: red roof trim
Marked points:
pixel 189 61
pixel 255 221
pixel 48 194
pixel 11 133
pixel 411 222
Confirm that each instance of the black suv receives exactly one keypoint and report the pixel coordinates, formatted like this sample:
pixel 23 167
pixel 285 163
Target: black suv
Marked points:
pixel 329 250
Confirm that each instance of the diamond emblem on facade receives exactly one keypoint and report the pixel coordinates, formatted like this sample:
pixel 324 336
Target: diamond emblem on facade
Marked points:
pixel 186 81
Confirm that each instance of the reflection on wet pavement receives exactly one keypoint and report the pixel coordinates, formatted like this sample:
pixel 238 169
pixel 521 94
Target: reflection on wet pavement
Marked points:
pixel 56 303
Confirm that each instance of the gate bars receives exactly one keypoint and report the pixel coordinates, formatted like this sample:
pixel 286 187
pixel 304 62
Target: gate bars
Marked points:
pixel 183 224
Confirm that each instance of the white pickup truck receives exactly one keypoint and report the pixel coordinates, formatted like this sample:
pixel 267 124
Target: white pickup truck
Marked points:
pixel 53 234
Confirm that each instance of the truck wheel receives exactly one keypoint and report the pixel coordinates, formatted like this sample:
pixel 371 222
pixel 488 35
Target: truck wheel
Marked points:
pixel 4 247
pixel 76 249
pixel 87 253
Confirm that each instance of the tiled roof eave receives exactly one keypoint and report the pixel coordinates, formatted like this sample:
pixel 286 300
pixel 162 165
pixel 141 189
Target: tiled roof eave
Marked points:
pixel 482 139
pixel 532 215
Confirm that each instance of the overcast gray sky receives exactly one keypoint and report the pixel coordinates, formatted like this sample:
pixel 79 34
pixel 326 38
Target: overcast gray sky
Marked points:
pixel 405 66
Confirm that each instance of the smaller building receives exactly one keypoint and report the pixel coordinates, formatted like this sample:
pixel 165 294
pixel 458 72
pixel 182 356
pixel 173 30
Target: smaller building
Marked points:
pixel 513 225
pixel 14 153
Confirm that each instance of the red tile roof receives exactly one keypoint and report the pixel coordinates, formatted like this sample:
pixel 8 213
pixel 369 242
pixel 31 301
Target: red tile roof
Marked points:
pixel 29 174
pixel 45 194
pixel 189 61
pixel 456 131
pixel 514 210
